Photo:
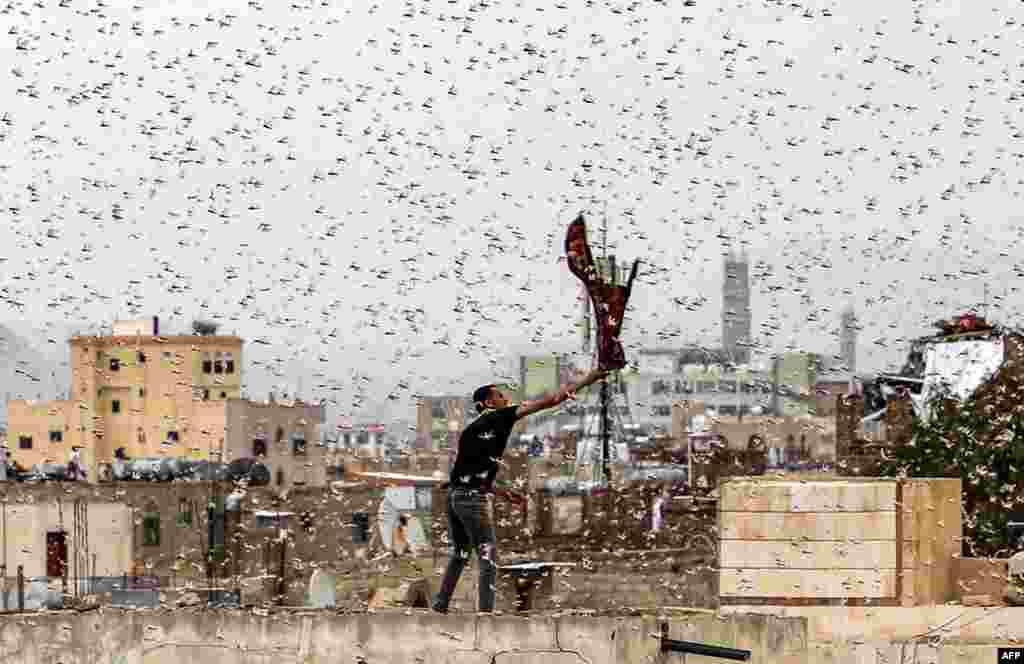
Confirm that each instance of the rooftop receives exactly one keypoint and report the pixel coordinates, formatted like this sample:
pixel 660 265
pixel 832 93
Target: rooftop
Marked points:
pixel 177 339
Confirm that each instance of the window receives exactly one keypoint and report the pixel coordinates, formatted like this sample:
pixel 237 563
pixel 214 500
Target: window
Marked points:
pixel 115 406
pixel 115 364
pixel 216 522
pixel 280 477
pixel 206 394
pixel 207 363
pixel 141 357
pixel 271 520
pixel 280 435
pixel 140 435
pixel 259 447
pixel 172 436
pixel 142 392
pixel 56 436
pixel 360 528
pixel 223 395
pixel 299 444
pixel 229 362
pixel 151 527
pixel 56 552
pixel 24 442
pixel 218 364
pixel 184 512
pixel 661 411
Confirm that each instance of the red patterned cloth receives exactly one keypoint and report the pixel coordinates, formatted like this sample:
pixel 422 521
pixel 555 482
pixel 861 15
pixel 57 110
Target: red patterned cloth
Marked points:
pixel 608 300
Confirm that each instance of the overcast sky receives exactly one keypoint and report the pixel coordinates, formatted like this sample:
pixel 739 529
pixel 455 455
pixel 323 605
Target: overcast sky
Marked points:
pixel 380 192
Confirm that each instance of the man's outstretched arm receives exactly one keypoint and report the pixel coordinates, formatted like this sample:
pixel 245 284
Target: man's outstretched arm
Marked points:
pixel 567 392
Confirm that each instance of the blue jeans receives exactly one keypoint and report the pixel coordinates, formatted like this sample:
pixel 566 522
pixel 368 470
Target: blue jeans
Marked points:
pixel 469 527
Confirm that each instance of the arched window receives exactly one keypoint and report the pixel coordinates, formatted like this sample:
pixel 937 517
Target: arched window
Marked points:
pixel 207 363
pixel 280 477
pixel 279 436
pixel 140 435
pixel 229 362
pixel 218 363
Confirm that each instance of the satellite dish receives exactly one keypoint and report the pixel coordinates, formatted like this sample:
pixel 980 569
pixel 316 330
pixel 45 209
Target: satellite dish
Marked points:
pixel 387 518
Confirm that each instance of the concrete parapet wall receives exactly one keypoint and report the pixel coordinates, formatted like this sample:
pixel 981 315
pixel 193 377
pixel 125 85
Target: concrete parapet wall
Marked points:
pixel 941 634
pixel 216 637
pixel 790 635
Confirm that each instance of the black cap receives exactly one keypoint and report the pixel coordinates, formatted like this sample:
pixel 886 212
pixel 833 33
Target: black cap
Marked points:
pixel 482 394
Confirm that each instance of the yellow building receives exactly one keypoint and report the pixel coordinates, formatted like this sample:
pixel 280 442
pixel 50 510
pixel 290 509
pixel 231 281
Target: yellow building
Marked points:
pixel 151 395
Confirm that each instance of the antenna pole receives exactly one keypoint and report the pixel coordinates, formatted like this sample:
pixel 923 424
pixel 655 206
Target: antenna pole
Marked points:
pixel 604 232
pixel 605 396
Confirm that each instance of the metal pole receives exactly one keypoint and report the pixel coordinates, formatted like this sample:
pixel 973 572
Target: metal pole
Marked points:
pixel 85 531
pixel 702 649
pixel 64 562
pixel 234 562
pixel 73 550
pixel 605 453
pixel 281 580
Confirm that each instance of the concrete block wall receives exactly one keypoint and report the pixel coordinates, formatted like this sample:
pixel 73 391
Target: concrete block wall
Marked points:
pixel 838 541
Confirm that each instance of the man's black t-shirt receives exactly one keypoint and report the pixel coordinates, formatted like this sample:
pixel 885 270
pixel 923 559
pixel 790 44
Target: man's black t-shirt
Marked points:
pixel 480 447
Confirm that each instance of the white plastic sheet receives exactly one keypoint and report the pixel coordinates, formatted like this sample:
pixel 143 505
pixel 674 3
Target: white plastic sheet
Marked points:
pixel 960 366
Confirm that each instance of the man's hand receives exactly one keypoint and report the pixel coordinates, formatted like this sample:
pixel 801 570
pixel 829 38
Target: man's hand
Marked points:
pixel 567 394
pixel 591 378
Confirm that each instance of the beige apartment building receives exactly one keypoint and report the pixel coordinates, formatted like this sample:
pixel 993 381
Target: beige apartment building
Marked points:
pixel 154 395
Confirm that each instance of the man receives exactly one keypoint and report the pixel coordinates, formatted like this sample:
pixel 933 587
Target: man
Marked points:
pixel 471 484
